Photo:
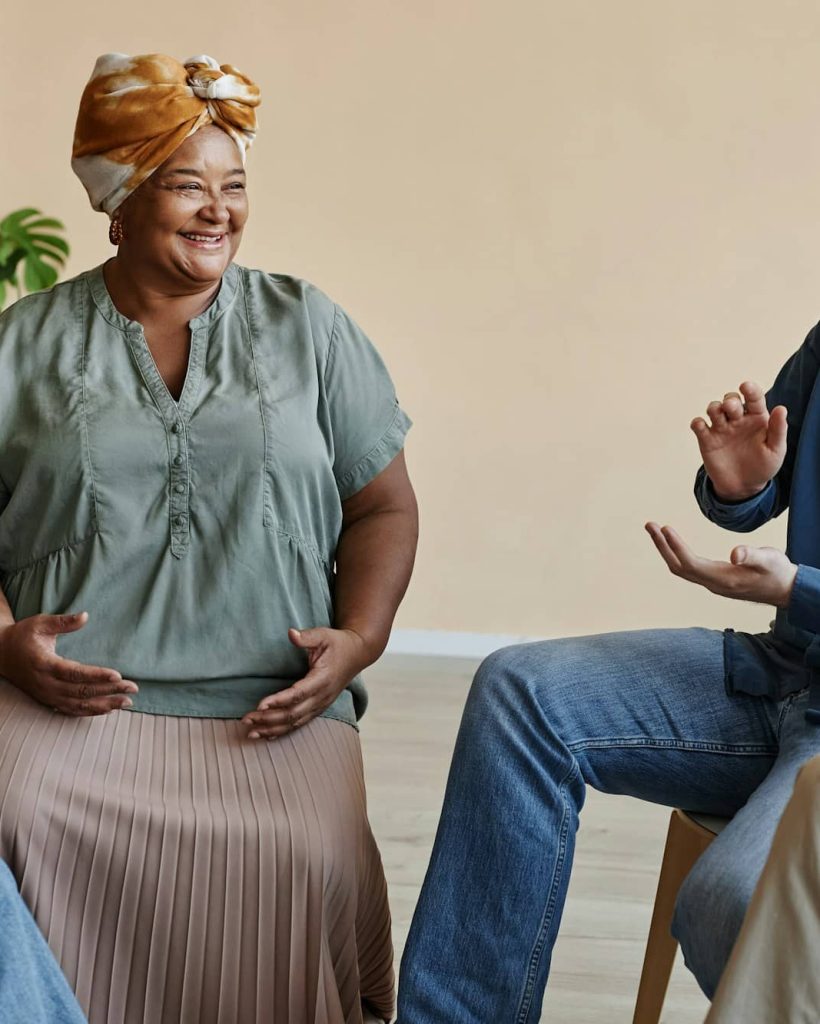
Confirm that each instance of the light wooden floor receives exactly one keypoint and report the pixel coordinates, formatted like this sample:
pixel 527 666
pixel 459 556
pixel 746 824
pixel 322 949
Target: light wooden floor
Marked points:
pixel 407 736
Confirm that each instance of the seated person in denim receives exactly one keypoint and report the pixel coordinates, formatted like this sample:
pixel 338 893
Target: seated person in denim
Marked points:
pixel 772 973
pixel 712 721
pixel 32 988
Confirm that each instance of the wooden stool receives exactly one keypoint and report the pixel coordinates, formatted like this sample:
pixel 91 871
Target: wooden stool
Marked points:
pixel 688 836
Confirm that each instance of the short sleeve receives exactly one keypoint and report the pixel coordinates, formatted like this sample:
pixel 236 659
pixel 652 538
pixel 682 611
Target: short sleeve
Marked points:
pixel 367 423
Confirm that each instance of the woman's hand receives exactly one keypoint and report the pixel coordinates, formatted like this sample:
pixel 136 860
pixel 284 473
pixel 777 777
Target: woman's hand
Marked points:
pixel 29 660
pixel 745 445
pixel 335 656
pixel 764 575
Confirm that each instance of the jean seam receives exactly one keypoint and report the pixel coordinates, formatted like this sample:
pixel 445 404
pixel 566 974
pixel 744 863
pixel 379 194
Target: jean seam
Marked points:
pixel 660 744
pixel 525 1003
pixel 788 704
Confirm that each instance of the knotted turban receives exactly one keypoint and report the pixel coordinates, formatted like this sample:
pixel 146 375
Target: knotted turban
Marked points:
pixel 135 111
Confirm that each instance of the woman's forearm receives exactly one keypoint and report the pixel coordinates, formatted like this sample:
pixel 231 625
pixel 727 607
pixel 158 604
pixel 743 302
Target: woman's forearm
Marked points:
pixel 374 561
pixel 6 620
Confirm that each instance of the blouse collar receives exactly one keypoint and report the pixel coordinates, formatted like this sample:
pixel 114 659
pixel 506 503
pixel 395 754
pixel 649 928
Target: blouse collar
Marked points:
pixel 105 304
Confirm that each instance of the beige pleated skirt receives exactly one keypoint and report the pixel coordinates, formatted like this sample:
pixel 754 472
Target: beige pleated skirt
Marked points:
pixel 183 874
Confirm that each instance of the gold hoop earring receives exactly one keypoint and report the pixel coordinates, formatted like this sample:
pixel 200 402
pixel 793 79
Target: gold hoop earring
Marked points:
pixel 115 232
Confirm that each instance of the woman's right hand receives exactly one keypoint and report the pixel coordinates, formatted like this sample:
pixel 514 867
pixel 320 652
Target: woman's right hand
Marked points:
pixel 745 444
pixel 29 660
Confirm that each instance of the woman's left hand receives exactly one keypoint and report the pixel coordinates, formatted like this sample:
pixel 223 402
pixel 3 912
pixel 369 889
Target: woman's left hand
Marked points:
pixel 764 575
pixel 335 656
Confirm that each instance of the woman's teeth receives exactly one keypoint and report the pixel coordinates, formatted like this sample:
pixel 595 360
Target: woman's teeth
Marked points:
pixel 214 239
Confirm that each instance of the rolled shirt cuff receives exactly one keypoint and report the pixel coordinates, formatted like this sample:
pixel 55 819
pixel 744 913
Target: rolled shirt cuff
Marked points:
pixel 804 605
pixel 741 516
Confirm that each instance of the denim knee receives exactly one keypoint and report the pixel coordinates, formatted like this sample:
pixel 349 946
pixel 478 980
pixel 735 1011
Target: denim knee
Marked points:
pixel 496 674
pixel 538 672
pixel 709 911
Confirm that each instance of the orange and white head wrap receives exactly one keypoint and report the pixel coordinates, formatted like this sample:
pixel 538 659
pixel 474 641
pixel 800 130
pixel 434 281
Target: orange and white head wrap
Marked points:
pixel 135 111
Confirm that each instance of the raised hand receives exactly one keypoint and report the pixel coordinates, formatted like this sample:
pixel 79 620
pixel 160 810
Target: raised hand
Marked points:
pixel 744 444
pixel 335 656
pixel 29 660
pixel 764 575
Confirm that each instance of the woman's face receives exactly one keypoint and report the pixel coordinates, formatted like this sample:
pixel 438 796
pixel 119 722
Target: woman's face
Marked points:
pixel 184 224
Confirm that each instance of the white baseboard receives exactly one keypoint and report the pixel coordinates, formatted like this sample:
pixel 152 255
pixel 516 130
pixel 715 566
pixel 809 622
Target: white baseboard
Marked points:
pixel 443 644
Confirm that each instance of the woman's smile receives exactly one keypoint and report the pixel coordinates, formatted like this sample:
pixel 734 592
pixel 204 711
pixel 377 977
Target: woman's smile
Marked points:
pixel 204 240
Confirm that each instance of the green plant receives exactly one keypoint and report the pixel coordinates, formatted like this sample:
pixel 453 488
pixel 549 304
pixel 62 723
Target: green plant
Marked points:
pixel 22 241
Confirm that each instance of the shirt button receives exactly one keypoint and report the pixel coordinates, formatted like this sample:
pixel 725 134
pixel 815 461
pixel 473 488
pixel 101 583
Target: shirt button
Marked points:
pixel 179 520
pixel 176 428
pixel 177 460
pixel 180 488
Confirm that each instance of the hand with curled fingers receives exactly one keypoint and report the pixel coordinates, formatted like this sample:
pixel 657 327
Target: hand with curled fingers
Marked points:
pixel 29 660
pixel 764 575
pixel 334 657
pixel 743 445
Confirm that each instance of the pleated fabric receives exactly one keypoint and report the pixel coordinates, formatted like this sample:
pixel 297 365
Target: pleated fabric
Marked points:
pixel 182 873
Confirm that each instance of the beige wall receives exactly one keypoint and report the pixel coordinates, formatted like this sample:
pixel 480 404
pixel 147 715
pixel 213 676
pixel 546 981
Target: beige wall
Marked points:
pixel 566 226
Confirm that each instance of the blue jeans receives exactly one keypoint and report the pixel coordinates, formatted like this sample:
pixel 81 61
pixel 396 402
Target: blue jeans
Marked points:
pixel 32 987
pixel 644 714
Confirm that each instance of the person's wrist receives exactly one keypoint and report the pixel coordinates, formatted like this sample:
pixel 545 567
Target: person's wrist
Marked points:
pixel 4 639
pixel 738 494
pixel 790 580
pixel 369 648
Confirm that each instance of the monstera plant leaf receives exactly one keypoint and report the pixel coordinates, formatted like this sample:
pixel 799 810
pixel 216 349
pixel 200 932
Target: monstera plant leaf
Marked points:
pixel 27 239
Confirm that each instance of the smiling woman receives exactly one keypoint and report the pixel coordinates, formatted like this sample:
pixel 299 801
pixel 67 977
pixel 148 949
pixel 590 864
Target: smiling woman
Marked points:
pixel 179 232
pixel 186 452
pixel 183 213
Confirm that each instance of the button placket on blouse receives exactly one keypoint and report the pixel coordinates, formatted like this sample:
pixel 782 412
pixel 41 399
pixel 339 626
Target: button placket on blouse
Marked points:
pixel 173 415
pixel 179 477
pixel 178 484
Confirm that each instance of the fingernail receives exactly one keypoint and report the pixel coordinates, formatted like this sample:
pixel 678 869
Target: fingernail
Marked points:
pixel 253 735
pixel 126 703
pixel 130 688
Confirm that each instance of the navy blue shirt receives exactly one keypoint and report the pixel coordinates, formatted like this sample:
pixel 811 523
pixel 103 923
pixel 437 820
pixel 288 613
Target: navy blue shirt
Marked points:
pixel 787 658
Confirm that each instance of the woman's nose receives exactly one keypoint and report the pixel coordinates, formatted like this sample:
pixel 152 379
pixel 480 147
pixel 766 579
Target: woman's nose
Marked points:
pixel 215 206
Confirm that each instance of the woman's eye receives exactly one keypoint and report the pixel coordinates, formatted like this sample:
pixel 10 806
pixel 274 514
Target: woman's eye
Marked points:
pixel 236 186
pixel 190 187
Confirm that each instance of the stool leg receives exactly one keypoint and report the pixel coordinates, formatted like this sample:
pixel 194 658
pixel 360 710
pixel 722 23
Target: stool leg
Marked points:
pixel 685 842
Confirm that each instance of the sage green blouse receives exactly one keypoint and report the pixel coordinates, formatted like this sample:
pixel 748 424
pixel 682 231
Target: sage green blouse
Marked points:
pixel 193 532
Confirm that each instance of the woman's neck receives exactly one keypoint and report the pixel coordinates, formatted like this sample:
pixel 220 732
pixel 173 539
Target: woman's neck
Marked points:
pixel 139 296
